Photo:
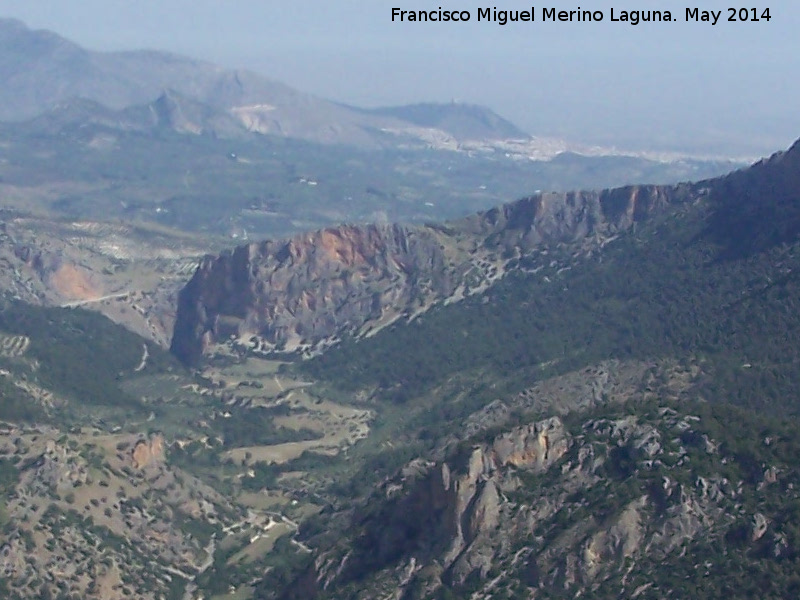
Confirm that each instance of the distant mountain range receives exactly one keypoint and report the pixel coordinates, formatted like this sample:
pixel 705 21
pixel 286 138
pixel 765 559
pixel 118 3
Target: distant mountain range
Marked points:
pixel 42 71
pixel 45 74
pixel 154 137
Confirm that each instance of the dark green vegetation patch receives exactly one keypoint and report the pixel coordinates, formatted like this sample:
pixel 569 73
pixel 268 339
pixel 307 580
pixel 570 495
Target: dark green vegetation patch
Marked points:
pixel 80 355
pixel 667 291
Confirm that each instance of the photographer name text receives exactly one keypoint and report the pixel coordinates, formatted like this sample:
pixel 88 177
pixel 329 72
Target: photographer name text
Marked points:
pixel 580 15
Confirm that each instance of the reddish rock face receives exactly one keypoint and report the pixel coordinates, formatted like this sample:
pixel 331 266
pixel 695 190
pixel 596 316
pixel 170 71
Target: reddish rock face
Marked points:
pixel 313 286
pixel 296 293
pixel 146 452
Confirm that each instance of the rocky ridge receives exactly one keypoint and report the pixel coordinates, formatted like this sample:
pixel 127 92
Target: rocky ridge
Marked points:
pixel 547 509
pixel 306 292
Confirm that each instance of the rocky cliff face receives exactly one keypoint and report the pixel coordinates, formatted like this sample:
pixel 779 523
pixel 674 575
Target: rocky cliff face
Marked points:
pixel 452 510
pixel 562 218
pixel 146 452
pixel 305 292
pixel 294 293
pixel 41 273
pixel 545 508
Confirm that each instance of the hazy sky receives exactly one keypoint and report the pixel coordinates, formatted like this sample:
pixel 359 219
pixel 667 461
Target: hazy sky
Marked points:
pixel 732 88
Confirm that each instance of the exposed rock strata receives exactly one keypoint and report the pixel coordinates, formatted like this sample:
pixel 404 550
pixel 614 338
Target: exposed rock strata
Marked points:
pixel 513 510
pixel 147 452
pixel 308 290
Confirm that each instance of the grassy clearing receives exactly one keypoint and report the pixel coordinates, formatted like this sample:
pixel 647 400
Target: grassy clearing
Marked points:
pixel 256 382
pixel 254 378
pixel 340 426
pixel 261 544
pixel 278 454
pixel 263 500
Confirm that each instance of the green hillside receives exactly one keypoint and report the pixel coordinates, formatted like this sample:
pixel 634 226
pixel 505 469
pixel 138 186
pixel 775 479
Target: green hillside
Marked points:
pixel 74 360
pixel 669 290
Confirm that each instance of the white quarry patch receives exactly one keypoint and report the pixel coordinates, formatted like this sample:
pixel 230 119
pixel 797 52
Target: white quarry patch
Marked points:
pixel 253 108
pixel 256 117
